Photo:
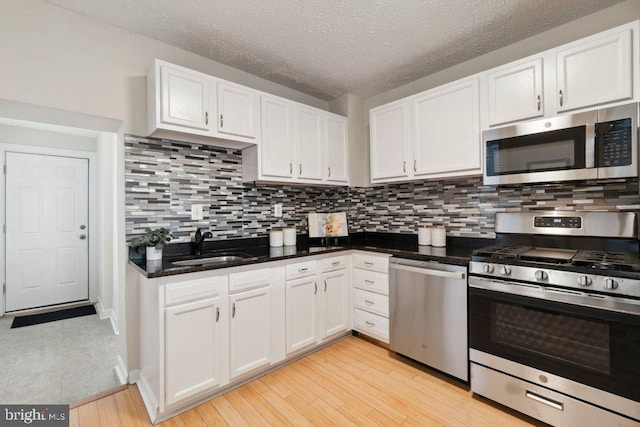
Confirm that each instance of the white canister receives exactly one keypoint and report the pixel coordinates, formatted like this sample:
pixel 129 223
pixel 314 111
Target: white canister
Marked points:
pixel 289 236
pixel 439 237
pixel 424 236
pixel 276 238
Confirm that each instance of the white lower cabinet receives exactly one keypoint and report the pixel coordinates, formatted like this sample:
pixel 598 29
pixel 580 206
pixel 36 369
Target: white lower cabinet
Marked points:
pixel 371 295
pixel 301 313
pixel 335 302
pixel 250 331
pixel 193 355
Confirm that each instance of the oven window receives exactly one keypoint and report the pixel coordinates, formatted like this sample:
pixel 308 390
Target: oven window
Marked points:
pixel 579 342
pixel 543 152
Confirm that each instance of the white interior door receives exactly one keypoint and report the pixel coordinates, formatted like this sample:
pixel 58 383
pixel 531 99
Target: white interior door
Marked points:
pixel 47 240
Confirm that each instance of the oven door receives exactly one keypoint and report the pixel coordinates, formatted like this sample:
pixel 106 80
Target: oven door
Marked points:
pixel 589 339
pixel 557 149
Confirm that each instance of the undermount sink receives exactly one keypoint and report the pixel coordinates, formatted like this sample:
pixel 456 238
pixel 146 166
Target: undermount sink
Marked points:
pixel 209 260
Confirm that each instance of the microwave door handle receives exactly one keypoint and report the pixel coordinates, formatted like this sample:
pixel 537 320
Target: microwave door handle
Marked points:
pixel 590 146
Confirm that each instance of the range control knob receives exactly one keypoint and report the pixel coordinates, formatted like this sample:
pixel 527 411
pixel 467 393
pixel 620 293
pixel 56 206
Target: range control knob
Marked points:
pixel 610 284
pixel 505 270
pixel 584 281
pixel 487 268
pixel 541 275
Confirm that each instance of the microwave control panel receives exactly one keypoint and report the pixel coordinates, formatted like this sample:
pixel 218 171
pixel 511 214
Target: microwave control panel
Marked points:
pixel 613 143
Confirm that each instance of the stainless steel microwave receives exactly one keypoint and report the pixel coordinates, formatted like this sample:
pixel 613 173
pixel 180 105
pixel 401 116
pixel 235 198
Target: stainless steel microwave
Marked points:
pixel 595 144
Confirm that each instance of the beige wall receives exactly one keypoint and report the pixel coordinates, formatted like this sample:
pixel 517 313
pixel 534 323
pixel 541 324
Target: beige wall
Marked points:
pixel 60 59
pixel 619 14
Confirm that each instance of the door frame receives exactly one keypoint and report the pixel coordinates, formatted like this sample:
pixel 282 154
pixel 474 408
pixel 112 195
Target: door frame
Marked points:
pixel 91 157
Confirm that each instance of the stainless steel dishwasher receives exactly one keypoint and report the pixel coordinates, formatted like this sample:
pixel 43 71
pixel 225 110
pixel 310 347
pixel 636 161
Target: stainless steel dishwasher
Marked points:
pixel 428 314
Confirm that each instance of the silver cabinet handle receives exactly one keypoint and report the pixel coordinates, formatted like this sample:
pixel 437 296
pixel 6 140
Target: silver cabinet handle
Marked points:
pixel 369 302
pixel 329 172
pixel 233 310
pixel 335 263
pixel 217 314
pixel 83 236
pixel 221 121
pixel 368 264
pixel 404 166
pixel 325 286
pixel 303 270
pixel 369 324
pixel 556 405
pixel 300 168
pixel 369 282
pixel 538 102
pixel 206 118
pixel 561 98
pixel 290 168
pixel 415 166
pixel 315 285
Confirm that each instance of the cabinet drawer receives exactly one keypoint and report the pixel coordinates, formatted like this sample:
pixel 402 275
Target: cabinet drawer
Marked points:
pixel 374 303
pixel 177 293
pixel 373 263
pixel 371 281
pixel 301 269
pixel 335 263
pixel 371 324
pixel 248 280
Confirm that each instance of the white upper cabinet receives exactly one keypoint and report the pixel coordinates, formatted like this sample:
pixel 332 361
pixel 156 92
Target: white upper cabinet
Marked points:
pixel 237 110
pixel 595 72
pixel 299 145
pixel 310 143
pixel 337 150
pixel 446 136
pixel 184 98
pixel 515 92
pixel 389 142
pixel 277 145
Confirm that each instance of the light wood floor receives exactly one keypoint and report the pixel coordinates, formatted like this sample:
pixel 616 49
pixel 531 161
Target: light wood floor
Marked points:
pixel 352 382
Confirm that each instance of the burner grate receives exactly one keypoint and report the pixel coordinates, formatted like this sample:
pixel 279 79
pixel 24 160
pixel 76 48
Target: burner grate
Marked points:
pixel 607 260
pixel 501 251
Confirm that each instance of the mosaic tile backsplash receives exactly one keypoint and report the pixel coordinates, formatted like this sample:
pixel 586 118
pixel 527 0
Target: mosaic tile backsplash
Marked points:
pixel 164 178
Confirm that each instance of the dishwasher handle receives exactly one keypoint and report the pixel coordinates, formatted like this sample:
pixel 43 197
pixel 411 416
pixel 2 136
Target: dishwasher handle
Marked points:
pixel 428 271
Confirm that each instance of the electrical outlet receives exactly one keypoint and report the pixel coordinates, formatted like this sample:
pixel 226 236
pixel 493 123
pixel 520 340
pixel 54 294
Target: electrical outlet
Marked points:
pixel 277 210
pixel 197 212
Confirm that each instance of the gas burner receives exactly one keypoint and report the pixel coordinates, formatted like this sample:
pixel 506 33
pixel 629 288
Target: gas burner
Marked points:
pixel 607 260
pixel 501 251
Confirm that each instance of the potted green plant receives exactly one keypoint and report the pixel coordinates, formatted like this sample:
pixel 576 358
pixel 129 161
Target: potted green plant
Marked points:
pixel 152 242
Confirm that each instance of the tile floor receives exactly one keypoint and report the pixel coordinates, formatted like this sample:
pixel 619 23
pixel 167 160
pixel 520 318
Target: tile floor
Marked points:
pixel 56 362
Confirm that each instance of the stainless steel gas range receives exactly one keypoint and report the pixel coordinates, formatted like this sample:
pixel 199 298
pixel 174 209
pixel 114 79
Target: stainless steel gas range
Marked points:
pixel 554 317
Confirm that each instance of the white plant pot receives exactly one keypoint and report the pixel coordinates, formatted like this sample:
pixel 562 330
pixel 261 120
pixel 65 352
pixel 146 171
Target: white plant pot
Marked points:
pixel 154 254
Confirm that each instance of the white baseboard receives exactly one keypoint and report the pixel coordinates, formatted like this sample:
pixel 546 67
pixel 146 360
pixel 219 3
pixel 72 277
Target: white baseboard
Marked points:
pixel 134 376
pixel 121 371
pixel 107 314
pixel 147 397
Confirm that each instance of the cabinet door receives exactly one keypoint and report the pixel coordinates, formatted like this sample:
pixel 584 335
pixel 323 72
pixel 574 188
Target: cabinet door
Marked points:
pixel 277 138
pixel 336 150
pixel 447 129
pixel 236 110
pixel 310 143
pixel 250 330
pixel 515 93
pixel 335 309
pixel 193 354
pixel 301 313
pixel 595 72
pixel 185 98
pixel 389 140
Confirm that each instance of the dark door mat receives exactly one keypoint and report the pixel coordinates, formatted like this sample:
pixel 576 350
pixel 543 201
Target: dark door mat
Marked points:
pixel 69 313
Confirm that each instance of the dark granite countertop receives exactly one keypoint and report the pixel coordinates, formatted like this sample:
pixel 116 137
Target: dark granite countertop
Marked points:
pixel 457 251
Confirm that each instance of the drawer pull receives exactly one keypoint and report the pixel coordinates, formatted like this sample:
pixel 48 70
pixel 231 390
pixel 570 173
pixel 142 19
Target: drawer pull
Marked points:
pixel 369 324
pixel 335 263
pixel 556 405
pixel 303 270
pixel 368 263
pixel 369 302
pixel 369 282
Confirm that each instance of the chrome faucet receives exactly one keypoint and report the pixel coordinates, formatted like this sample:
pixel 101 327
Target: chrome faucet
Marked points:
pixel 199 240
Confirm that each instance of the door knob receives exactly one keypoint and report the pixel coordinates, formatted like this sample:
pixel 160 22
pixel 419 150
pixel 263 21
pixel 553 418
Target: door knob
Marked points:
pixel 83 236
pixel 82 227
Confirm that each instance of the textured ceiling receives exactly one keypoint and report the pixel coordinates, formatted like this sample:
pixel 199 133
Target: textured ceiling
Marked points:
pixel 329 47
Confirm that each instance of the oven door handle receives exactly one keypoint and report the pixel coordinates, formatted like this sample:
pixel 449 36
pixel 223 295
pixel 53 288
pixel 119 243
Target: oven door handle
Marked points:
pixel 600 302
pixel 428 271
pixel 544 400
